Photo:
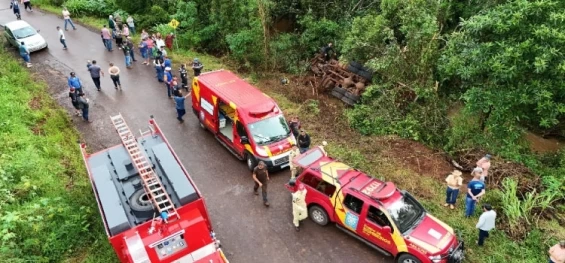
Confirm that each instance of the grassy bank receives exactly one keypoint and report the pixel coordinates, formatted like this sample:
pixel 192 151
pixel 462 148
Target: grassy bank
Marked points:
pixel 379 156
pixel 47 210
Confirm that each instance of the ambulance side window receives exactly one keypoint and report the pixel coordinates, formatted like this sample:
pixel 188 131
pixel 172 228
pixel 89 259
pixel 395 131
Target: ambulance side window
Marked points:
pixel 353 203
pixel 240 129
pixel 377 216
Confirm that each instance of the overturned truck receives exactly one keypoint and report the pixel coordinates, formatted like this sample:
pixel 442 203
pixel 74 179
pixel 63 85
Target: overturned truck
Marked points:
pixel 346 82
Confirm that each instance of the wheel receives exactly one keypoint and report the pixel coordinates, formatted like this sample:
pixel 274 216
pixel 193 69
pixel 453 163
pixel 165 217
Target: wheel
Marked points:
pixel 356 65
pixel 348 101
pixel 318 215
pixel 139 201
pixel 337 94
pixel 339 90
pixel 251 161
pixel 366 75
pixel 407 258
pixel 352 69
pixel 352 96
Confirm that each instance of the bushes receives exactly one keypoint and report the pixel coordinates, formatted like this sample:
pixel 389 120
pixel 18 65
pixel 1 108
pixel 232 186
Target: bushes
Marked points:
pixel 100 8
pixel 284 53
pixel 246 46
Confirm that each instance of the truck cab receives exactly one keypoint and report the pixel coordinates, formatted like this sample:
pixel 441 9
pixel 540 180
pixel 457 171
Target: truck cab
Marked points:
pixel 243 119
pixel 375 212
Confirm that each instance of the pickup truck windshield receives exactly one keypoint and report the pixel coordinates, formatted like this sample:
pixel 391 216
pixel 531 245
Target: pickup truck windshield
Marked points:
pixel 406 212
pixel 269 130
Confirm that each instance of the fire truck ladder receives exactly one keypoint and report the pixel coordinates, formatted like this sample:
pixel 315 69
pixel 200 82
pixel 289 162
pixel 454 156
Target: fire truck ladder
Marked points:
pixel 153 186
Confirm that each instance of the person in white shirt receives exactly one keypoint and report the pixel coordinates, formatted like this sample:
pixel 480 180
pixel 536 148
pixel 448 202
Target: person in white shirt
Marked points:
pixel 486 223
pixel 131 25
pixel 62 37
pixel 67 17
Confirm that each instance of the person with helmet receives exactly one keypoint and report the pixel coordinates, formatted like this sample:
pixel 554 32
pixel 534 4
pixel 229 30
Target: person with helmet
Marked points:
pixel 261 178
pixel 299 210
pixel 184 76
pixel 197 67
pixel 169 81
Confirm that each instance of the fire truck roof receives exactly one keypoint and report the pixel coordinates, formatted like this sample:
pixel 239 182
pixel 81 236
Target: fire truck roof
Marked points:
pixel 119 187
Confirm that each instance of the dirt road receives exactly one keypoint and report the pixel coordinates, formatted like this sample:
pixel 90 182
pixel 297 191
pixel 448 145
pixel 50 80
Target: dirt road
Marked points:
pixel 249 232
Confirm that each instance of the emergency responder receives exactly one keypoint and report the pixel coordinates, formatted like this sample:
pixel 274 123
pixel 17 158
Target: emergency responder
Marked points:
pixel 327 52
pixel 261 178
pixel 197 67
pixel 293 153
pixel 184 76
pixel 299 210
pixel 323 148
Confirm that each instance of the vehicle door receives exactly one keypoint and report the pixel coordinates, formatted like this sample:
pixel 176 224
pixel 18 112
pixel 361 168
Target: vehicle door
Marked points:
pixel 351 209
pixel 240 136
pixel 376 227
pixel 208 112
pixel 10 37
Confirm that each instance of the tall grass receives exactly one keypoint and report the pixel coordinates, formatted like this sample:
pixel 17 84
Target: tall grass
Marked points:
pixel 47 210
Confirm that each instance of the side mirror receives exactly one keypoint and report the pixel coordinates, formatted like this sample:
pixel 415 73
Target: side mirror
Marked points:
pixel 387 229
pixel 244 140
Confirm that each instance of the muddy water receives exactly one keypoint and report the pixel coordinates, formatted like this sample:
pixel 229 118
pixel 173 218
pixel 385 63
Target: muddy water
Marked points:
pixel 542 145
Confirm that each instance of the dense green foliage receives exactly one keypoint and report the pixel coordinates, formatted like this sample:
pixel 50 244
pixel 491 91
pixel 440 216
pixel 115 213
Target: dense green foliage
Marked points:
pixel 47 210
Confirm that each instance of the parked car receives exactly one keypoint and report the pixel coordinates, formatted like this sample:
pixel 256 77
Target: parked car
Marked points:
pixel 20 31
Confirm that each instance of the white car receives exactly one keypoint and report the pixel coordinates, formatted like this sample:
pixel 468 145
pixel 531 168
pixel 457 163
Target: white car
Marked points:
pixel 20 31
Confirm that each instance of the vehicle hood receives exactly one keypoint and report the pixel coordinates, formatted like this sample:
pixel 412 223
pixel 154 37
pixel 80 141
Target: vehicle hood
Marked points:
pixel 281 146
pixel 32 41
pixel 432 235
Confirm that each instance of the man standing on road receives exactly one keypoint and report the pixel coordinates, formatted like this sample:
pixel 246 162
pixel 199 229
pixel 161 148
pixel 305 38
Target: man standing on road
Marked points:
pixel 129 42
pixel 27 4
pixel 484 163
pixel 557 253
pixel 179 101
pixel 74 100
pixel 168 81
pixel 24 53
pixel 62 37
pixel 107 37
pixel 83 103
pixel 67 17
pixel 131 25
pixel 261 178
pixel 95 73
pixel 114 72
pixel 293 153
pixel 475 189
pixel 74 82
pixel 15 6
pixel 126 50
pixel 303 141
pixel 486 223
pixel 299 210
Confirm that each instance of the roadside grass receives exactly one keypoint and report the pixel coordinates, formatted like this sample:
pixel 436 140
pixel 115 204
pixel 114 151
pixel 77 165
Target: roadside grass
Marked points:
pixel 365 153
pixel 47 210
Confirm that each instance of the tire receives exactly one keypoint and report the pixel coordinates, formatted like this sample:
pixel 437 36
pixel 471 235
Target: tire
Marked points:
pixel 366 75
pixel 339 90
pixel 318 215
pixel 348 101
pixel 356 65
pixel 337 94
pixel 407 258
pixel 352 96
pixel 251 161
pixel 137 203
pixel 352 69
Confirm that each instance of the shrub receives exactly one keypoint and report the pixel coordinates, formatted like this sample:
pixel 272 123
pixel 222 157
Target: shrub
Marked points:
pixel 285 54
pixel 155 16
pixel 246 45
pixel 100 8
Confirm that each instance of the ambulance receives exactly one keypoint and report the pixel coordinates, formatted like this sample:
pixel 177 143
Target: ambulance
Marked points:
pixel 375 212
pixel 243 119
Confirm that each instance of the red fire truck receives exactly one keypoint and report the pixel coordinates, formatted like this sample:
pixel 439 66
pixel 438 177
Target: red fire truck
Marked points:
pixel 150 207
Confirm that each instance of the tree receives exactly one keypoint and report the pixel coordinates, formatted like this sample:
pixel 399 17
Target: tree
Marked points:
pixel 509 61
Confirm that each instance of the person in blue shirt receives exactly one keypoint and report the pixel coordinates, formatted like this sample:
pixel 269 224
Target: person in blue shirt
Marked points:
pixel 168 63
pixel 475 189
pixel 74 82
pixel 179 101
pixel 24 53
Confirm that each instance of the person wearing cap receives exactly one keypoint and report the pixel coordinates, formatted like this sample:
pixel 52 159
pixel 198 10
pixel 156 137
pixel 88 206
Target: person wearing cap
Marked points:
pixel 24 53
pixel 475 189
pixel 95 73
pixel 168 81
pixel 303 141
pixel 294 151
pixel 197 67
pixel 169 40
pixel 484 163
pixel 74 82
pixel 454 182
pixel 557 253
pixel 486 223
pixel 299 209
pixel 261 178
